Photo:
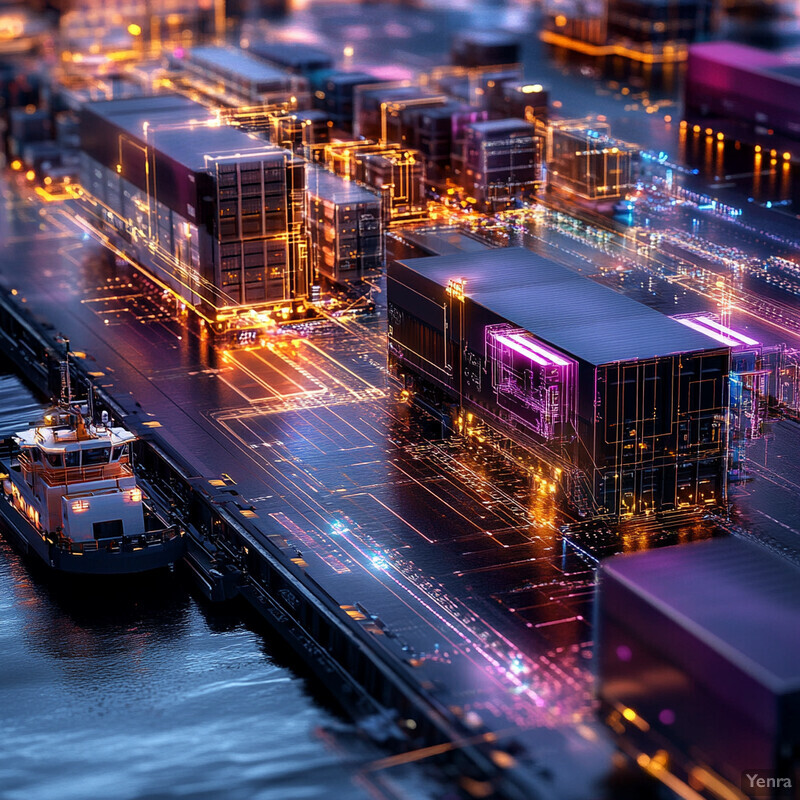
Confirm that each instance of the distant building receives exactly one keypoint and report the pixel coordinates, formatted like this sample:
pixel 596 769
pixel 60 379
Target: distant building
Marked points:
pixel 333 92
pixel 473 85
pixel 697 650
pixel 344 227
pixel 484 48
pixel 510 97
pixel 633 35
pixel 380 111
pixel 630 405
pixel 294 57
pixel 585 162
pixel 395 173
pixel 437 132
pixel 301 130
pixel 502 163
pixel 659 21
pixel 399 177
pixel 242 77
pixel 734 82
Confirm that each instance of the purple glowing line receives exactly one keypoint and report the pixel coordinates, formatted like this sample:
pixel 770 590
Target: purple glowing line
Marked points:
pixel 726 331
pixel 523 340
pixel 689 323
pixel 518 348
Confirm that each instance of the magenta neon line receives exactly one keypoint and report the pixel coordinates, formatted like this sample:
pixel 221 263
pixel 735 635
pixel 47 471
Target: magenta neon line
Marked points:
pixel 523 340
pixel 689 323
pixel 727 331
pixel 522 350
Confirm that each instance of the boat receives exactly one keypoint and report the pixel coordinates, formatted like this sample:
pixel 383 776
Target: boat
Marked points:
pixel 70 496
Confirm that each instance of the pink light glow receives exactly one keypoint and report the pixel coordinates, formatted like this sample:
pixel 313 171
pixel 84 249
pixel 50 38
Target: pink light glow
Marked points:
pixel 525 341
pixel 726 331
pixel 690 323
pixel 519 348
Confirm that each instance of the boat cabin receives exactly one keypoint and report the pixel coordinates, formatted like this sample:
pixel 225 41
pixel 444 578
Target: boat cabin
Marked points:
pixel 75 480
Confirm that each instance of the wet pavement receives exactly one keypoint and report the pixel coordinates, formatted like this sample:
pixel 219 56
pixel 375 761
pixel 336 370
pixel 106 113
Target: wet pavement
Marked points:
pixel 454 543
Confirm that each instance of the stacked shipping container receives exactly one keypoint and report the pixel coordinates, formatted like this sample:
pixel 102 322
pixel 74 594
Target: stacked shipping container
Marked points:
pixel 212 213
pixel 634 400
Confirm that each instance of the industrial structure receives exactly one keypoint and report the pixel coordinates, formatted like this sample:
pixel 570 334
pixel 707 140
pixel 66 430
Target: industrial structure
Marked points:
pixel 395 173
pixel 344 229
pixel 502 163
pixel 696 649
pixel 650 34
pixel 235 74
pixel 294 57
pixel 333 91
pixel 481 48
pixel 585 163
pixel 656 22
pixel 756 88
pixel 211 213
pixel 632 400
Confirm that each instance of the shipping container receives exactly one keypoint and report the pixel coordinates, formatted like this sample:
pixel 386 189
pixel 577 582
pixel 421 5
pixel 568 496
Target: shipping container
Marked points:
pixel 697 648
pixel 744 84
pixel 294 57
pixel 344 227
pixel 333 91
pixel 243 76
pixel 378 111
pixel 484 48
pixel 502 163
pixel 223 209
pixel 633 400
pixel 584 161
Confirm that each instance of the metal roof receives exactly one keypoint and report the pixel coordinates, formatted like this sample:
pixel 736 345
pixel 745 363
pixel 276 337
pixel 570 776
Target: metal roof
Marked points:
pixel 179 128
pixel 344 78
pixel 328 186
pixel 511 125
pixel 444 241
pixel 296 55
pixel 740 599
pixel 561 307
pixel 236 62
pixel 493 38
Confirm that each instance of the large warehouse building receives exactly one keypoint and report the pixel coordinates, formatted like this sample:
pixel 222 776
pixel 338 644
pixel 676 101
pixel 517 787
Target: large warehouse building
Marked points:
pixel 634 400
pixel 698 647
pixel 213 214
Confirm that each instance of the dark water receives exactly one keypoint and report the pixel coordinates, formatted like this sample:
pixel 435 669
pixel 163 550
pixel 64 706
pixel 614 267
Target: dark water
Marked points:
pixel 141 691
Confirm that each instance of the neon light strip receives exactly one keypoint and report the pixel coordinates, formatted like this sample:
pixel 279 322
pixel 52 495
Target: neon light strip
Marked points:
pixel 690 323
pixel 526 342
pixel 518 348
pixel 727 331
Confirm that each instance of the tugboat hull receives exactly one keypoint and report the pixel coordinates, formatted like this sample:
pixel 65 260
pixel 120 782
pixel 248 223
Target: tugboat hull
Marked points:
pixel 128 556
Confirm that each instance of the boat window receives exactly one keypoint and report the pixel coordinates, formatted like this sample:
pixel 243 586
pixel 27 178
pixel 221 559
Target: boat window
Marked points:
pixel 110 529
pixel 97 455
pixel 35 454
pixel 119 451
pixel 54 459
pixel 72 458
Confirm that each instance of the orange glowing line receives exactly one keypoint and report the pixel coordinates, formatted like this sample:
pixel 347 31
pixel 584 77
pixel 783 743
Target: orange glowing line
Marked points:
pixel 559 40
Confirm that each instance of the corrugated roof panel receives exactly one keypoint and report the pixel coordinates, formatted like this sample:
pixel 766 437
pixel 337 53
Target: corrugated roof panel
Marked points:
pixel 238 62
pixel 445 241
pixel 169 121
pixel 328 186
pixel 561 307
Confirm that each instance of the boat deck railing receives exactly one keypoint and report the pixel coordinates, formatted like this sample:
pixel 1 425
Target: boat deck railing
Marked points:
pixel 59 476
pixel 119 544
